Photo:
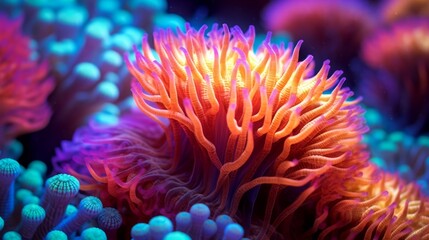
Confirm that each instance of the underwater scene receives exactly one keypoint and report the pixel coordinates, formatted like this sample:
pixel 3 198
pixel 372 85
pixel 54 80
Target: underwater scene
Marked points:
pixel 187 119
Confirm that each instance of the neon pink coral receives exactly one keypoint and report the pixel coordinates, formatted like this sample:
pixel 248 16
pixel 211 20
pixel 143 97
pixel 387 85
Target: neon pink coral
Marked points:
pixel 23 85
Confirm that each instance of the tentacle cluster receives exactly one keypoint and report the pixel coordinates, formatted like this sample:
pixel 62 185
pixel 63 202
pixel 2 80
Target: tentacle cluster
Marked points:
pixel 253 118
pixel 375 205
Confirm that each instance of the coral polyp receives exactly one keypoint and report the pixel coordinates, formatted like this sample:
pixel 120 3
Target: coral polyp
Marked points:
pixel 253 121
pixel 24 87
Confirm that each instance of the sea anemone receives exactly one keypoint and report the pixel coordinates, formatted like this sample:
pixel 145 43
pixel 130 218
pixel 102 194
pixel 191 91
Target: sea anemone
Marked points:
pixel 256 128
pixel 396 10
pixel 398 82
pixel 373 204
pixel 331 29
pixel 24 87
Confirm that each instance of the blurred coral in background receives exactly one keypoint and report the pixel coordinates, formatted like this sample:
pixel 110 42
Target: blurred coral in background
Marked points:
pixel 395 10
pixel 331 29
pixel 398 81
pixel 24 85
pixel 146 119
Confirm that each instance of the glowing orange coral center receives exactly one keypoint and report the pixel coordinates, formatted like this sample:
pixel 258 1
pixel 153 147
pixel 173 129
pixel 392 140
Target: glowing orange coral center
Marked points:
pixel 242 106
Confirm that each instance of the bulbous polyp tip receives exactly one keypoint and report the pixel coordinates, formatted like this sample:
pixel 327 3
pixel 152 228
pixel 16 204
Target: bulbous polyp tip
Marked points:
pixel 209 228
pixel 62 186
pixel 9 169
pixel 109 219
pixel 33 213
pixel 233 231
pixel 39 166
pixel 93 233
pixel 160 226
pixel 91 206
pixel 200 212
pixel 177 236
pixel 56 235
pixel 11 235
pixel 87 71
pixel 183 221
pixel 140 231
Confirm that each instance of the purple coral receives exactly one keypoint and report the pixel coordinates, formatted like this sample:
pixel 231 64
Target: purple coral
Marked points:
pixel 120 161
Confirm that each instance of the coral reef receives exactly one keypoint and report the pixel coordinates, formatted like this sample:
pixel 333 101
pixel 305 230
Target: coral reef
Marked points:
pixel 118 120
